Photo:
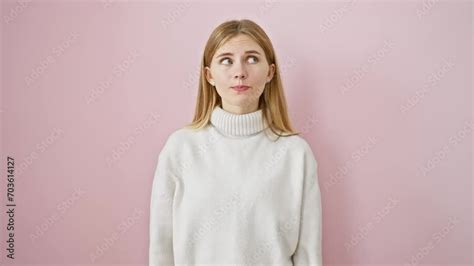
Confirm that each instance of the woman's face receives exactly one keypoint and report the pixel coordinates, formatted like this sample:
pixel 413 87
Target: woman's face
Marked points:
pixel 239 62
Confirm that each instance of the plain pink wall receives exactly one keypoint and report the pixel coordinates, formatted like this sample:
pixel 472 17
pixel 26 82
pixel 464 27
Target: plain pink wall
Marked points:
pixel 380 89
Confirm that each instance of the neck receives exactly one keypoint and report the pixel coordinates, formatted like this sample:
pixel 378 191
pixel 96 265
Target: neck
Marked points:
pixel 240 110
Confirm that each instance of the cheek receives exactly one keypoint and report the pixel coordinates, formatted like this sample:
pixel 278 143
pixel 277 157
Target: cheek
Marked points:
pixel 260 75
pixel 221 76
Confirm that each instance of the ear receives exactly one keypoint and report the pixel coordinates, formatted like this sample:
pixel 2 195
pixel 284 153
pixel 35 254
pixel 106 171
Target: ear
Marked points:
pixel 209 78
pixel 271 72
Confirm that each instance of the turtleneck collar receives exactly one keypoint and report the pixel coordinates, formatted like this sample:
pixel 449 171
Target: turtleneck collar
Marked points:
pixel 237 125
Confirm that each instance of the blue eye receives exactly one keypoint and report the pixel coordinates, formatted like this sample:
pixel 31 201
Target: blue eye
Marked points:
pixel 253 61
pixel 224 60
pixel 254 57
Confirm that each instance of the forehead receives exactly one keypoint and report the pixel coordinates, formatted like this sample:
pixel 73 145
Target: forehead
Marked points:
pixel 238 45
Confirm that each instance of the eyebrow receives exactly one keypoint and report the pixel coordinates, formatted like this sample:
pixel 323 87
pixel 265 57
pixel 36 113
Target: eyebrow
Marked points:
pixel 247 52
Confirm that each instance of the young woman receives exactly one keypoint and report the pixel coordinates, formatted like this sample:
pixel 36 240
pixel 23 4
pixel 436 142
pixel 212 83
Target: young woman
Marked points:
pixel 237 186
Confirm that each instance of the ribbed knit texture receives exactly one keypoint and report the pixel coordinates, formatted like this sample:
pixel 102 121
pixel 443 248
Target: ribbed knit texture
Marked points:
pixel 237 124
pixel 228 195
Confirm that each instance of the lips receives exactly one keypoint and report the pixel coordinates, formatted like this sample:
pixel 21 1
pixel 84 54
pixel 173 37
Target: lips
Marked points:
pixel 240 87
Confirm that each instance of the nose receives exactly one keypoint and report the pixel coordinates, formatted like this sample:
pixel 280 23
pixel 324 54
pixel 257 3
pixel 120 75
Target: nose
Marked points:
pixel 240 76
pixel 240 71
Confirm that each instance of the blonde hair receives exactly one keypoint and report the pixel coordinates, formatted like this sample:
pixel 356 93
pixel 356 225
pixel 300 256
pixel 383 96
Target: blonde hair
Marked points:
pixel 272 101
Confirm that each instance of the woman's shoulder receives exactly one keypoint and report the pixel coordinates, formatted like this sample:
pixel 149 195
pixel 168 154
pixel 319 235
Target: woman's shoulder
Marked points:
pixel 298 144
pixel 172 143
pixel 179 134
pixel 186 133
pixel 294 140
pixel 182 136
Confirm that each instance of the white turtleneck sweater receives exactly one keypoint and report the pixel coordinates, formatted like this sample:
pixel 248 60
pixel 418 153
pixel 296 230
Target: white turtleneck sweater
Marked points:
pixel 229 195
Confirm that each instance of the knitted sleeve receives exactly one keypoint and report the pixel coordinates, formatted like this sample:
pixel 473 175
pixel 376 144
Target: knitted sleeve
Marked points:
pixel 309 247
pixel 161 209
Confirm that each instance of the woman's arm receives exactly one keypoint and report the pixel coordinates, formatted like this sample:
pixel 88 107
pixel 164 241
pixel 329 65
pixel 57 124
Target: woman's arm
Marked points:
pixel 161 209
pixel 309 248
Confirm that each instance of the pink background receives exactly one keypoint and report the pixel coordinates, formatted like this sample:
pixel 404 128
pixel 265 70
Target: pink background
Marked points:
pixel 382 90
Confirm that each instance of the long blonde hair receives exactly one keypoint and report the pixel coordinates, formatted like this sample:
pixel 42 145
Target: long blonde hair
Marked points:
pixel 272 101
